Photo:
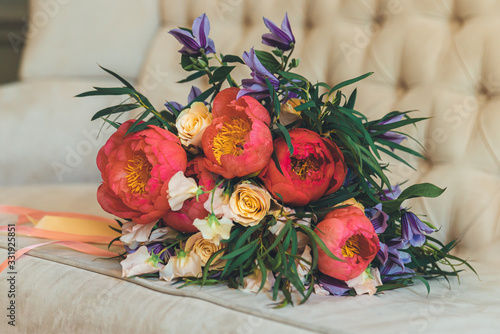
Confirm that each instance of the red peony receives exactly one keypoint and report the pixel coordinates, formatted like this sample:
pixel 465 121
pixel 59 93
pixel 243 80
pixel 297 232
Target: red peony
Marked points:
pixel 238 142
pixel 316 168
pixel 182 220
pixel 350 236
pixel 136 169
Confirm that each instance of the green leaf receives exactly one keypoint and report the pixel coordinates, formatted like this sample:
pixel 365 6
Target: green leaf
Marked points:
pixel 123 81
pixel 390 126
pixel 319 242
pixel 292 76
pixel 240 250
pixel 186 63
pixel 286 136
pixel 268 60
pixel 264 273
pixel 416 190
pixel 425 282
pixel 232 59
pixel 193 76
pixel 276 162
pixel 304 106
pixel 221 74
pixel 352 99
pixel 203 96
pixel 113 124
pixel 115 109
pixel 349 82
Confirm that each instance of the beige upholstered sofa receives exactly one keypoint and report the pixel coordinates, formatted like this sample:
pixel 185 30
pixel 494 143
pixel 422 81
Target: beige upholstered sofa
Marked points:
pixel 441 57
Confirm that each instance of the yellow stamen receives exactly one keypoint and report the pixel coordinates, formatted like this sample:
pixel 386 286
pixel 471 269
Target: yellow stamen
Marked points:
pixel 231 138
pixel 302 167
pixel 138 173
pixel 351 246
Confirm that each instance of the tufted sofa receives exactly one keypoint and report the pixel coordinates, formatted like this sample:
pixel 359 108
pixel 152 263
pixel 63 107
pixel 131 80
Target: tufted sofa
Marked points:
pixel 440 57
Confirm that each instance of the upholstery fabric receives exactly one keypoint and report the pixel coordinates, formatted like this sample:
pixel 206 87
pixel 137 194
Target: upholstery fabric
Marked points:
pixel 63 291
pixel 439 57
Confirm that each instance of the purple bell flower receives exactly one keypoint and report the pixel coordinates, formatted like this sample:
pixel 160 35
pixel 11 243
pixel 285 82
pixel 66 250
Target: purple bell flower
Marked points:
pixel 390 251
pixel 334 286
pixel 390 135
pixel 393 271
pixel 282 38
pixel 257 86
pixel 193 93
pixel 377 217
pixel 196 42
pixel 413 229
pixel 391 194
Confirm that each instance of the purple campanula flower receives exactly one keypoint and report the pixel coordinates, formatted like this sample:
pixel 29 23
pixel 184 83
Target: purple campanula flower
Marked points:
pixel 196 42
pixel 157 248
pixel 394 260
pixel 153 248
pixel 390 135
pixel 377 217
pixel 413 229
pixel 334 286
pixel 257 86
pixel 391 251
pixel 393 271
pixel 193 93
pixel 282 38
pixel 391 194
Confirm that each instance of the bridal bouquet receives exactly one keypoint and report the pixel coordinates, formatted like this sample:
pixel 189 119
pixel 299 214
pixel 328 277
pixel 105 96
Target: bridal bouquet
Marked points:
pixel 273 184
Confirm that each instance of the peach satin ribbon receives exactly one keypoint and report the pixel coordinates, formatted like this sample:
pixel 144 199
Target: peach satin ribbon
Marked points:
pixel 68 229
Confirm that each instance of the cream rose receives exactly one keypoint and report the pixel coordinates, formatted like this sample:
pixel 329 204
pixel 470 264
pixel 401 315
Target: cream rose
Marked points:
pixel 205 249
pixel 352 202
pixel 288 114
pixel 249 203
pixel 191 123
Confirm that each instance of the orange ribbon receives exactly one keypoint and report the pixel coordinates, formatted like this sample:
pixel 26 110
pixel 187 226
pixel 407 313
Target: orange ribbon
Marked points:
pixel 69 229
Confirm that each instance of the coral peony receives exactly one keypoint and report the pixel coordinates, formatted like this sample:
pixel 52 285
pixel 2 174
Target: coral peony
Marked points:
pixel 350 236
pixel 316 168
pixel 239 141
pixel 182 220
pixel 136 169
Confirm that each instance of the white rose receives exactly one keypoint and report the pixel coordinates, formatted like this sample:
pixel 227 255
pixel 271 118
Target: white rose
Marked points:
pixel 192 122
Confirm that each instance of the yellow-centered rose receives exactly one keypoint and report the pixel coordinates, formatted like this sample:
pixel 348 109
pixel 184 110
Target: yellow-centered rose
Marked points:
pixel 191 123
pixel 249 203
pixel 205 249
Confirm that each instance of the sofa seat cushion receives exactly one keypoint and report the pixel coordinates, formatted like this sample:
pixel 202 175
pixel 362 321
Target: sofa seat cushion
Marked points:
pixel 59 289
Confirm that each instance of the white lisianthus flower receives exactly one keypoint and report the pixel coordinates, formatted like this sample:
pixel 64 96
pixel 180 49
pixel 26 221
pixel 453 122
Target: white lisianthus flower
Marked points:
pixel 162 234
pixel 214 229
pixel 140 262
pixel 133 234
pixel 249 203
pixel 367 282
pixel 252 282
pixel 220 204
pixel 182 265
pixel 205 249
pixel 191 124
pixel 304 268
pixel 180 189
pixel 319 290
pixel 283 213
